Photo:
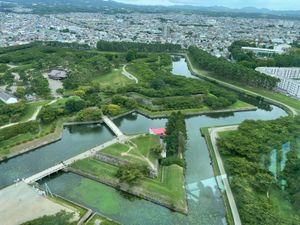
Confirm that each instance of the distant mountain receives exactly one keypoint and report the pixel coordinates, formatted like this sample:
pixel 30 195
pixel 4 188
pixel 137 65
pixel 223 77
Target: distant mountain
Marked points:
pixel 59 6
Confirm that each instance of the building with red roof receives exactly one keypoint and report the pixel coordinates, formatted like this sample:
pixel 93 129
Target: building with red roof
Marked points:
pixel 158 131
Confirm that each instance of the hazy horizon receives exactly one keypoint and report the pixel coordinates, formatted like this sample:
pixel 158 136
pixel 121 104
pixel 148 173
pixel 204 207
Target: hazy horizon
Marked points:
pixel 270 4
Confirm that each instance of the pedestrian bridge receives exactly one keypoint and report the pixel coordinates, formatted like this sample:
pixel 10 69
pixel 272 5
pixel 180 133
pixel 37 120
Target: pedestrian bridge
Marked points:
pixel 62 165
pixel 112 126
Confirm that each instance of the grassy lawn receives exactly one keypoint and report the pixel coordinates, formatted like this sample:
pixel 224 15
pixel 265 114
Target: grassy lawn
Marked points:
pixel 168 187
pixel 104 220
pixel 96 168
pixel 62 101
pixel 31 108
pixel 139 147
pixel 114 79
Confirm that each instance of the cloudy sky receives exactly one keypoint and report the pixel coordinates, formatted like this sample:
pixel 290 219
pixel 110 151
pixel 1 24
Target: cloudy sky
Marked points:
pixel 270 4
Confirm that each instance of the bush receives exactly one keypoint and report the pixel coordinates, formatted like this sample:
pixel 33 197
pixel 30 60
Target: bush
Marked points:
pixel 89 114
pixel 173 160
pixel 21 128
pixel 75 105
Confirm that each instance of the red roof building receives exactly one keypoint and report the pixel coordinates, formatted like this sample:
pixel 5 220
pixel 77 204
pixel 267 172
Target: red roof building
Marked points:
pixel 158 131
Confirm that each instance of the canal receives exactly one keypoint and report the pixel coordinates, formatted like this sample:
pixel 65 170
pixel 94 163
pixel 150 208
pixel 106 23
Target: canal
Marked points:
pixel 205 203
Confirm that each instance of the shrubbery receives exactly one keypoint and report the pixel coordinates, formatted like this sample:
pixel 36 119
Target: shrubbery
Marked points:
pixel 21 128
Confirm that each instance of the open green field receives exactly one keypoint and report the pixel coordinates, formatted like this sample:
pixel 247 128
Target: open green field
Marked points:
pixel 136 150
pixel 167 188
pixel 114 79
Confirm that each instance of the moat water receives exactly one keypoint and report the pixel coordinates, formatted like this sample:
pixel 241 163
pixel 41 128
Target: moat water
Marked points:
pixel 204 198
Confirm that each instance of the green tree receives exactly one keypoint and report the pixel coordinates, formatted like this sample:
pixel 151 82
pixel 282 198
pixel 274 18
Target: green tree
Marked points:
pixel 131 55
pixel 75 105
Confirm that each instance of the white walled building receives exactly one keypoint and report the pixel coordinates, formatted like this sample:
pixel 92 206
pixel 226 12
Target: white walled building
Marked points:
pixel 6 98
pixel 289 78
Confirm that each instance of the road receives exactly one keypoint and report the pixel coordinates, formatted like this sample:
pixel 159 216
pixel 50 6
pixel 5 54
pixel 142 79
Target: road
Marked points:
pixel 194 70
pixel 214 136
pixel 129 75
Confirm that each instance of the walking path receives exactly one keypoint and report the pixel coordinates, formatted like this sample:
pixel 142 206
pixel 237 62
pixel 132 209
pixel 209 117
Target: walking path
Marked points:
pixel 112 126
pixel 129 75
pixel 194 70
pixel 214 136
pixel 32 118
pixel 68 162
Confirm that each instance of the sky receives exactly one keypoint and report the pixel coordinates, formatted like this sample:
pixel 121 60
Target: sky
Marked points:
pixel 270 4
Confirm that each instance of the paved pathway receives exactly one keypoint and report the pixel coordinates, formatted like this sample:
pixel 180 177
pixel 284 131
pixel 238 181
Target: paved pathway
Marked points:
pixel 214 136
pixel 129 75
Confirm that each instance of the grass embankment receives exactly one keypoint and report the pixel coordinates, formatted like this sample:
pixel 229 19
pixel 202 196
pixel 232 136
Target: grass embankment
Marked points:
pixel 238 106
pixel 113 80
pixel 166 189
pixel 103 220
pixel 25 142
pixel 206 135
pixel 275 96
pixel 76 208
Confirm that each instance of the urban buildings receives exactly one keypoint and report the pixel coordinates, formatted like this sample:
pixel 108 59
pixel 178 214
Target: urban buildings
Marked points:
pixel 289 78
pixel 213 34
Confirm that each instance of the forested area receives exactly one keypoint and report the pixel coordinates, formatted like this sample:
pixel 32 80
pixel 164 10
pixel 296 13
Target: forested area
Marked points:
pixel 11 113
pixel 175 139
pixel 123 46
pixel 233 72
pixel 156 81
pixel 260 193
pixel 248 59
pixel 40 57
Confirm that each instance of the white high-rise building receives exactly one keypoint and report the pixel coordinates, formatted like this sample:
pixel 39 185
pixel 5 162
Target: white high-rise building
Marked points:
pixel 289 78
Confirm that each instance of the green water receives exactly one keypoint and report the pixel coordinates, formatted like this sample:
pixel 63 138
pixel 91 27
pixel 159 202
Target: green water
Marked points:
pixel 75 140
pixel 204 197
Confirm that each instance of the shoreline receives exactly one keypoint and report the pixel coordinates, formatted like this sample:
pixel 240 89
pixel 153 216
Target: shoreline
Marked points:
pixel 210 135
pixel 132 191
pixel 58 133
